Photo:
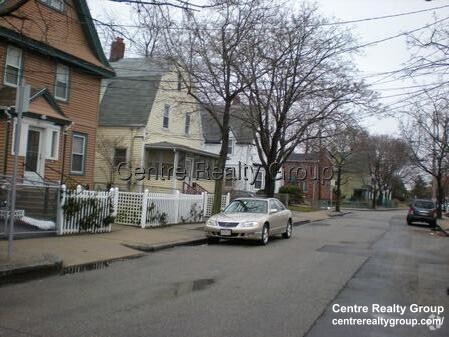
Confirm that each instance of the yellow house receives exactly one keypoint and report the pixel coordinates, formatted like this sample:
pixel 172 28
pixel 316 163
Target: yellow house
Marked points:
pixel 149 134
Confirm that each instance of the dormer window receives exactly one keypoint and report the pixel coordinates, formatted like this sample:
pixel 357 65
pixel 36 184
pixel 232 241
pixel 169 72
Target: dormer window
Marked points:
pixel 55 4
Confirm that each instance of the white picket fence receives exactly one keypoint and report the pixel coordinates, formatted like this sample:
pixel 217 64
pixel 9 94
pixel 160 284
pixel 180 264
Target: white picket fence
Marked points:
pixel 82 211
pixel 155 209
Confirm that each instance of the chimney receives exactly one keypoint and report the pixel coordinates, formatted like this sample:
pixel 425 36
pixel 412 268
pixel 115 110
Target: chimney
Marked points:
pixel 117 50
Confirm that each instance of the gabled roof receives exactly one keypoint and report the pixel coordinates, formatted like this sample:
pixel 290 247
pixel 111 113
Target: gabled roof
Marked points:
pixel 141 66
pixel 129 98
pixel 128 101
pixel 212 133
pixel 86 22
pixel 42 104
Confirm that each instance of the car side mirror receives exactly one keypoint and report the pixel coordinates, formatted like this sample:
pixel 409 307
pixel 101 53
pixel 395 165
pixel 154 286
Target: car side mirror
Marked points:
pixel 273 210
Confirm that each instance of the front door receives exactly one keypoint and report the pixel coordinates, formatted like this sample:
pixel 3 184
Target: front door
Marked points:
pixel 189 169
pixel 33 159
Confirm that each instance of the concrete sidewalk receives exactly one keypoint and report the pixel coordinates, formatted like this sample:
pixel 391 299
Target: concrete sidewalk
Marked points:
pixel 63 253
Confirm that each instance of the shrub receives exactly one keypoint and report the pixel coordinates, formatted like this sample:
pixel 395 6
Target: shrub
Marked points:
pixel 294 191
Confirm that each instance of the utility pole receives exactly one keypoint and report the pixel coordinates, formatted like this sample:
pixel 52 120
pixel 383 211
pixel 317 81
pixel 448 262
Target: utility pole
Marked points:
pixel 22 104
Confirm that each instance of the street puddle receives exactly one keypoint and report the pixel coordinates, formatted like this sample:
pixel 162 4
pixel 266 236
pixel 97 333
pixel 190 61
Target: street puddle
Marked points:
pixel 183 288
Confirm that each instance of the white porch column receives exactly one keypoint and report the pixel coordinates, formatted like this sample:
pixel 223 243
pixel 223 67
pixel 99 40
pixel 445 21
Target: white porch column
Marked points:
pixel 175 168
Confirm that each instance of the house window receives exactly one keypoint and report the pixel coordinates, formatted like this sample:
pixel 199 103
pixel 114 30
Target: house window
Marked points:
pixel 119 156
pixel 62 82
pixel 187 126
pixel 78 153
pixel 54 145
pixel 166 118
pixel 258 181
pixel 179 81
pixel 304 186
pixel 56 4
pixel 13 66
pixel 230 146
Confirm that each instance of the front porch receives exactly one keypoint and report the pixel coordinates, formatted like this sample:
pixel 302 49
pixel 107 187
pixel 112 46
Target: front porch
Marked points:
pixel 173 167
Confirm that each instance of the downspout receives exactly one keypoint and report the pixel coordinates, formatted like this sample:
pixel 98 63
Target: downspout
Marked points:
pixel 64 146
pixel 5 162
pixel 142 156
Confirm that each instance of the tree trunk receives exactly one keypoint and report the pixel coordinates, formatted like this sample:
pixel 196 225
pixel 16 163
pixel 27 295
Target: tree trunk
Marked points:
pixel 269 186
pixel 374 203
pixel 338 190
pixel 218 188
pixel 221 164
pixel 440 197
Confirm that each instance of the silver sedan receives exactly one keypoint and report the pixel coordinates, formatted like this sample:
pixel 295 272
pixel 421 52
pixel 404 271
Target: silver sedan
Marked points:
pixel 252 219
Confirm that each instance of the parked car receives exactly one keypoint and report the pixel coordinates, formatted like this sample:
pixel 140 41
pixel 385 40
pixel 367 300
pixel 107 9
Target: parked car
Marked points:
pixel 422 210
pixel 237 194
pixel 251 219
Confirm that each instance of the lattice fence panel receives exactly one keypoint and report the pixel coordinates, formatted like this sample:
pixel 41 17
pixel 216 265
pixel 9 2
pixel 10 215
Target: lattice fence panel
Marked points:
pixel 129 208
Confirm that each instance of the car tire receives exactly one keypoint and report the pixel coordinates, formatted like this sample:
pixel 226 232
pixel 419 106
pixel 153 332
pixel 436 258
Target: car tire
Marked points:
pixel 433 223
pixel 212 241
pixel 265 236
pixel 409 222
pixel 288 231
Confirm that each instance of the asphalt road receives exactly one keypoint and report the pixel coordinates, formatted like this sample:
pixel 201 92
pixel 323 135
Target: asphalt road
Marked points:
pixel 239 289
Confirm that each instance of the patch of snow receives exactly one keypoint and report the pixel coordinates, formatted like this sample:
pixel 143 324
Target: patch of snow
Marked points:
pixel 41 224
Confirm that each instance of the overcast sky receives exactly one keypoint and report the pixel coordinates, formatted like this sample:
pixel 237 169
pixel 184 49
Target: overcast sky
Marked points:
pixel 384 57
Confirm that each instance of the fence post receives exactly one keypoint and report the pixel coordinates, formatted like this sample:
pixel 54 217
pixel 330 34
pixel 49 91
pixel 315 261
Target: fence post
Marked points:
pixel 79 189
pixel 114 193
pixel 205 197
pixel 177 202
pixel 204 203
pixel 143 217
pixel 60 210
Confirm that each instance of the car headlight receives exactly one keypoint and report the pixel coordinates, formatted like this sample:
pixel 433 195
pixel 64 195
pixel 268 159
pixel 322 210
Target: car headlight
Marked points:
pixel 248 224
pixel 211 223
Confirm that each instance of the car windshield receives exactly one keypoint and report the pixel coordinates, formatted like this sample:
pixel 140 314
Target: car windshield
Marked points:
pixel 247 206
pixel 424 204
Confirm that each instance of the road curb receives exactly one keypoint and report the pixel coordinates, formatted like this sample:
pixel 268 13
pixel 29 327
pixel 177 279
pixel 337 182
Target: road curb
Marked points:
pixel 157 247
pixel 339 214
pixel 19 273
pixel 99 264
pixel 301 222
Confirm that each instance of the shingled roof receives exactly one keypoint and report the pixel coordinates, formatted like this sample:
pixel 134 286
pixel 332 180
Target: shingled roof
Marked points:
pixel 212 133
pixel 128 101
pixel 129 98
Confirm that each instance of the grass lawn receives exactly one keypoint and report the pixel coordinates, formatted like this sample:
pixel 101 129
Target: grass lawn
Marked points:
pixel 302 208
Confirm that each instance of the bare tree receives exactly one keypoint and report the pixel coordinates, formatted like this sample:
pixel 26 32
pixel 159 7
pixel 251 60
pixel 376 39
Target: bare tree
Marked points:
pixel 387 158
pixel 426 131
pixel 430 50
pixel 299 79
pixel 148 40
pixel 340 148
pixel 105 150
pixel 206 51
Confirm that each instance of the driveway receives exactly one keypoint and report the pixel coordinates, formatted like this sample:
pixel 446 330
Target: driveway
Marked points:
pixel 241 289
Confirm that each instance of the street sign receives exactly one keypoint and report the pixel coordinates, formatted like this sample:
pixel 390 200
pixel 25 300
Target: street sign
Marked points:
pixel 8 6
